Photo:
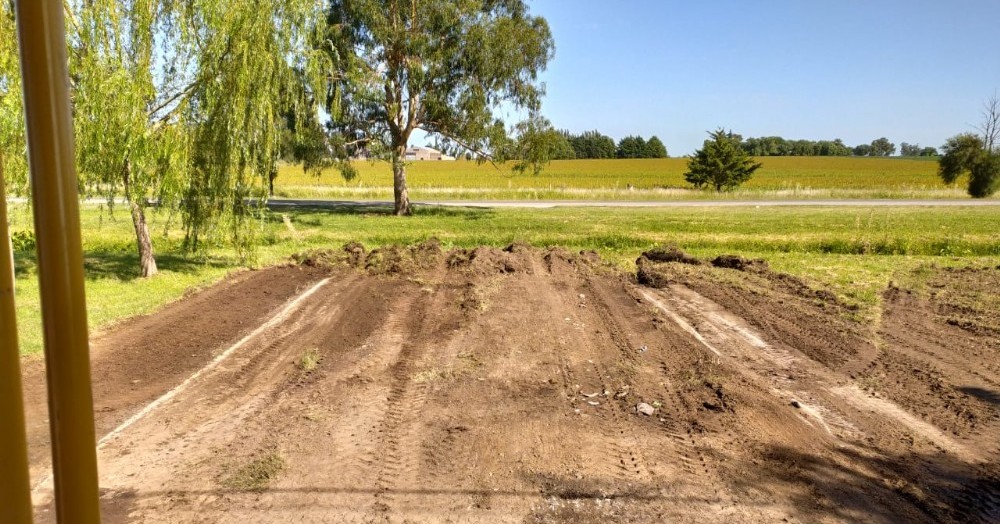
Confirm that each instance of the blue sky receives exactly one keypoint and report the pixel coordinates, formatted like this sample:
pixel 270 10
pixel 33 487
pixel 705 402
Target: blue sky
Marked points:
pixel 913 71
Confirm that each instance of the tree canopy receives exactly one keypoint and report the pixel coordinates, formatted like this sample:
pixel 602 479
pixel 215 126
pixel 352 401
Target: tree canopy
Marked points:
pixel 440 66
pixel 967 154
pixel 536 144
pixel 632 147
pixel 721 163
pixel 882 147
pixel 182 103
pixel 778 146
pixel 592 144
pixel 13 155
pixel 655 148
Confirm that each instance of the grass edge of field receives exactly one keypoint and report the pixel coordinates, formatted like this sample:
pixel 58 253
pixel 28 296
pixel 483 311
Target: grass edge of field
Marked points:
pixel 858 279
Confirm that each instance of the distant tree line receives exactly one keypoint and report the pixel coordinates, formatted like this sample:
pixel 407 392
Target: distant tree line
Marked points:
pixel 778 146
pixel 593 144
pixel 915 150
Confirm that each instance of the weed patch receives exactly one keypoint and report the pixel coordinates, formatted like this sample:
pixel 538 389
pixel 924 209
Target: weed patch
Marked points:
pixel 255 475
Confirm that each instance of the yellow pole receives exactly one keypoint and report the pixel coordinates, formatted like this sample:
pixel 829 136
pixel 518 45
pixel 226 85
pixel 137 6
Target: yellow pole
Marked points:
pixel 15 487
pixel 60 260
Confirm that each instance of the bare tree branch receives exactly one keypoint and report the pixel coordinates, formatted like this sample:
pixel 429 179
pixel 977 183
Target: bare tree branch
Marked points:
pixel 173 98
pixel 991 122
pixel 468 147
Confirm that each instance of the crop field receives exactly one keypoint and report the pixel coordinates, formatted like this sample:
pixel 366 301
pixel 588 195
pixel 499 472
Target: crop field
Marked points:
pixel 640 179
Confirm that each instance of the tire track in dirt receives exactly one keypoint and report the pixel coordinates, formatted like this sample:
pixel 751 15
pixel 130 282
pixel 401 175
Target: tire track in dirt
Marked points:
pixel 938 370
pixel 830 410
pixel 689 454
pixel 285 322
pixel 139 359
pixel 621 442
pixel 462 393
pixel 912 343
pixel 329 462
pixel 393 461
pixel 627 444
pixel 401 434
pixel 204 416
pixel 821 411
pixel 680 467
pixel 979 502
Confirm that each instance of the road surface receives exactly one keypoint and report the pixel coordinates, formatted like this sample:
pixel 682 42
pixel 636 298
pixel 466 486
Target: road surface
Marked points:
pixel 283 203
pixel 548 204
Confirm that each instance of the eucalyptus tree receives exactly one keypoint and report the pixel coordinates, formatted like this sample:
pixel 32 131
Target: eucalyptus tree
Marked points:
pixel 447 68
pixel 182 103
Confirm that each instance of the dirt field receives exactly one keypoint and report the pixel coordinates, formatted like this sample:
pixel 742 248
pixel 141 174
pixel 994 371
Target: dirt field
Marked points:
pixel 414 385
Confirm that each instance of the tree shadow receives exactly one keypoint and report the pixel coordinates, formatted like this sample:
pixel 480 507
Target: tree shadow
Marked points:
pixel 311 213
pixel 331 207
pixel 863 482
pixel 100 264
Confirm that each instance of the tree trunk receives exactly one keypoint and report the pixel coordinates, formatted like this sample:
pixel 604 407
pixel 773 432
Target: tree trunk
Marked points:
pixel 402 196
pixel 147 263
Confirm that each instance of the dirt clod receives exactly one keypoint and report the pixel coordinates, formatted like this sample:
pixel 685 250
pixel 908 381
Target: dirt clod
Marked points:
pixel 670 254
pixel 356 254
pixel 739 263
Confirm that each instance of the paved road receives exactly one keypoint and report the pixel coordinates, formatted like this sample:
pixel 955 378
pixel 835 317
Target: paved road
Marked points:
pixel 283 203
pixel 547 204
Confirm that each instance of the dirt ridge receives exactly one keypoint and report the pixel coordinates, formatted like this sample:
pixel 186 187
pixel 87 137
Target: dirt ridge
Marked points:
pixel 501 385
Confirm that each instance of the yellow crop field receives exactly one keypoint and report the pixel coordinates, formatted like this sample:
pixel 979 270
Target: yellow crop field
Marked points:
pixel 639 178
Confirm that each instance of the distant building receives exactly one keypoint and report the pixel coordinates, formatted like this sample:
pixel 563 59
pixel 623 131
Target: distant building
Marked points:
pixel 424 153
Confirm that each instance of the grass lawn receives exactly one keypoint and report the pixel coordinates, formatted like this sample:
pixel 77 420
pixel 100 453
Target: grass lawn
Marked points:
pixel 855 252
pixel 642 179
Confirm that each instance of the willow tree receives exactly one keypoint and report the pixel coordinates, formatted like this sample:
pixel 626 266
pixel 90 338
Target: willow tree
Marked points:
pixel 13 157
pixel 181 104
pixel 443 67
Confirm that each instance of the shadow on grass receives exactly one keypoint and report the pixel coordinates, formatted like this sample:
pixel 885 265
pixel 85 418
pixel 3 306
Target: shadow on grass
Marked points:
pixel 121 265
pixel 311 213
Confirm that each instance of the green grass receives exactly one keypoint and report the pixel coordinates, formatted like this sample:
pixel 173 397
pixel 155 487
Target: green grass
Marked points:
pixel 854 251
pixel 309 360
pixel 642 179
pixel 254 475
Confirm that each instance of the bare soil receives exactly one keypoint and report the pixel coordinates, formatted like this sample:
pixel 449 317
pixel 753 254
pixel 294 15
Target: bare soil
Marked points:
pixel 488 385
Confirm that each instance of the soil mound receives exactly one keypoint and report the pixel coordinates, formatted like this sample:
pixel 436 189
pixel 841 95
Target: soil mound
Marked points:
pixel 559 261
pixel 387 260
pixel 941 347
pixel 407 384
pixel 739 263
pixel 400 260
pixel 814 321
pixel 482 261
pixel 670 254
